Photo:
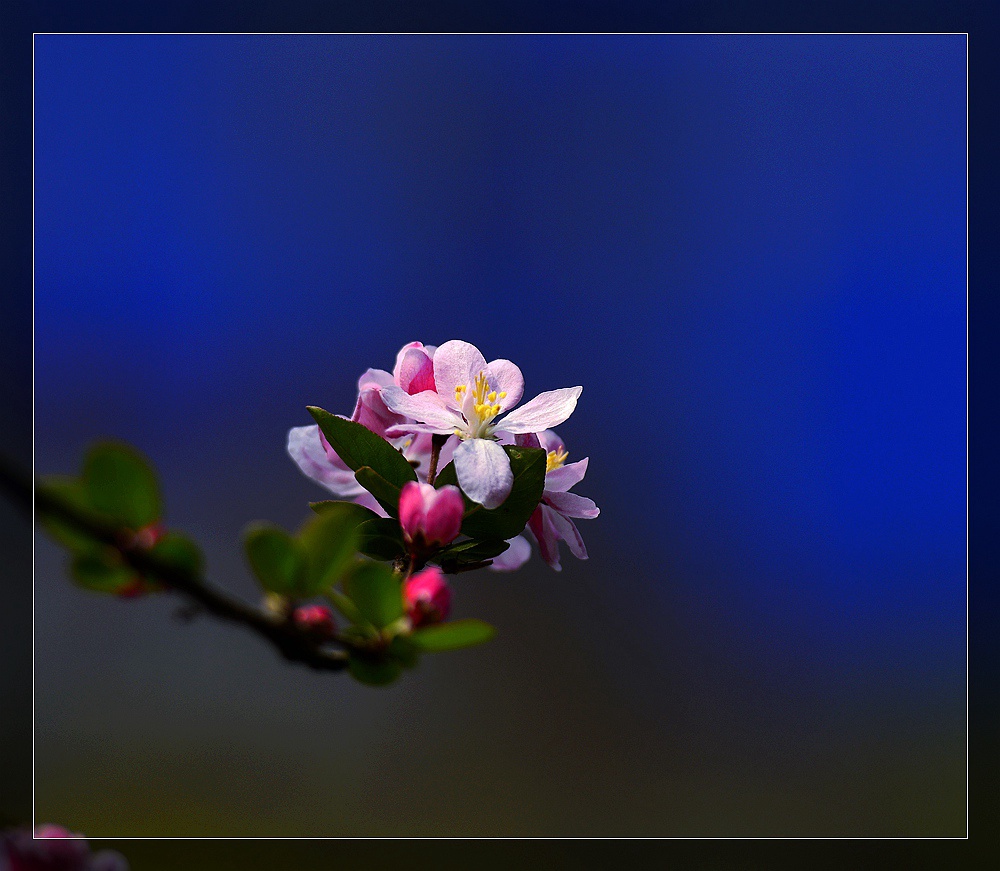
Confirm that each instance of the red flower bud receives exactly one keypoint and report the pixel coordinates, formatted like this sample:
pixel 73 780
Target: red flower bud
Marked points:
pixel 427 597
pixel 317 619
pixel 429 517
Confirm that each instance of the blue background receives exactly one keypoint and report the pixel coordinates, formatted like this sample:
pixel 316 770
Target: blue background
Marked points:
pixel 751 253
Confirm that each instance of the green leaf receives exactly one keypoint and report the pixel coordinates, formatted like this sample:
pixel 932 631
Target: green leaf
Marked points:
pixel 376 591
pixel 448 475
pixel 345 606
pixel 452 636
pixel 360 512
pixel 374 672
pixel 68 491
pixel 381 539
pixel 510 518
pixel 385 492
pixel 404 651
pixel 330 541
pixel 101 574
pixel 277 559
pixel 180 552
pixel 358 446
pixel 120 482
pixel 473 551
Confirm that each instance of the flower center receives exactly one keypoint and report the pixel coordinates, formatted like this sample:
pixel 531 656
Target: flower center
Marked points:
pixel 479 407
pixel 554 459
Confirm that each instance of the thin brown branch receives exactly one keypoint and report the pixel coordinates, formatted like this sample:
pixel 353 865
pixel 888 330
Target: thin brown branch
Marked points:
pixel 291 642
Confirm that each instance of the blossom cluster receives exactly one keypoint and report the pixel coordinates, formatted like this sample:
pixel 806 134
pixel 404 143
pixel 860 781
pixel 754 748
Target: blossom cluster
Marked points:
pixel 53 848
pixel 447 405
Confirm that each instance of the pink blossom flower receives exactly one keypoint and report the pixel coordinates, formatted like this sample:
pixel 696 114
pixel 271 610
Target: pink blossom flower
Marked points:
pixel 430 518
pixel 427 597
pixel 317 619
pixel 468 397
pixel 312 453
pixel 551 521
pixel 53 849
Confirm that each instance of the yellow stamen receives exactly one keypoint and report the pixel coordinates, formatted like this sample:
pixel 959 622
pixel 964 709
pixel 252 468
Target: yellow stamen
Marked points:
pixel 486 405
pixel 554 459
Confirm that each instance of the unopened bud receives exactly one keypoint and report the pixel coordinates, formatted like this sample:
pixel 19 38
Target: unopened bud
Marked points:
pixel 429 517
pixel 316 619
pixel 427 597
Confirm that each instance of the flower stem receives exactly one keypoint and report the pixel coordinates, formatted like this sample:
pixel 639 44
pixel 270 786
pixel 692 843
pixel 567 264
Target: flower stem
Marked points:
pixel 293 644
pixel 437 442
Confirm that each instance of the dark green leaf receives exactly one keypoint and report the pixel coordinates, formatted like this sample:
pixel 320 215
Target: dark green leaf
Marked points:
pixel 330 541
pixel 473 551
pixel 101 574
pixel 358 446
pixel 510 518
pixel 447 475
pixel 385 492
pixel 452 636
pixel 376 591
pixel 119 482
pixel 344 605
pixel 277 559
pixel 404 651
pixel 181 552
pixel 381 539
pixel 372 671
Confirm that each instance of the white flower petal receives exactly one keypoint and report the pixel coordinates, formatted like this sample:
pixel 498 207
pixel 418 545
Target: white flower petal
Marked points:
pixel 456 363
pixel 306 449
pixel 426 407
pixel 567 531
pixel 571 505
pixel 545 410
pixel 504 377
pixel 483 471
pixel 562 479
pixel 514 557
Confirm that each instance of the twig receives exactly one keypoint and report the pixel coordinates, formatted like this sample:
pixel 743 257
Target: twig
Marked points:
pixel 292 643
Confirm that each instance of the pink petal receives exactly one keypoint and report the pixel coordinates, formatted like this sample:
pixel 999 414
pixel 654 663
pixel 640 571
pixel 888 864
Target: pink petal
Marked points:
pixel 400 356
pixel 456 363
pixel 375 378
pixel 545 410
pixel 426 407
pixel 514 557
pixel 567 531
pixel 562 479
pixel 305 447
pixel 526 440
pixel 545 535
pixel 550 441
pixel 435 516
pixel 571 505
pixel 444 514
pixel 427 596
pixel 371 411
pixel 411 509
pixel 414 370
pixel 504 377
pixel 483 471
pixel 405 429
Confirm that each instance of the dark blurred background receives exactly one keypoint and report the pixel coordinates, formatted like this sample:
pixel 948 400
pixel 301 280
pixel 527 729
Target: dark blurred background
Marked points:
pixel 749 250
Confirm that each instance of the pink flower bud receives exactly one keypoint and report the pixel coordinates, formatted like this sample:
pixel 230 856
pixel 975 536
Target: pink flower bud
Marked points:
pixel 427 597
pixel 430 517
pixel 317 619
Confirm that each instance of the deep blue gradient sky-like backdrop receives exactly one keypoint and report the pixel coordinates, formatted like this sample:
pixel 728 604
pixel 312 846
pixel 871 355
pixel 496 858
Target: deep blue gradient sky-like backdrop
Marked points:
pixel 749 250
